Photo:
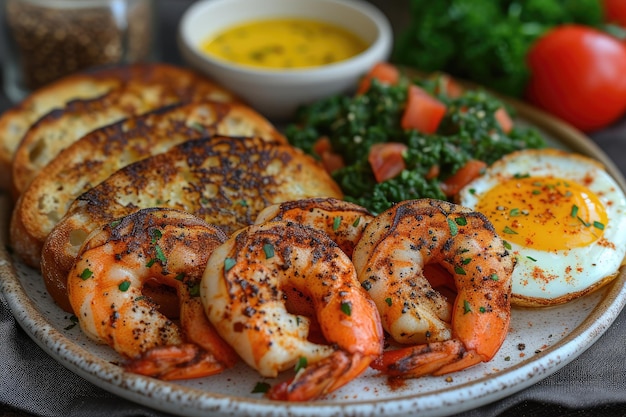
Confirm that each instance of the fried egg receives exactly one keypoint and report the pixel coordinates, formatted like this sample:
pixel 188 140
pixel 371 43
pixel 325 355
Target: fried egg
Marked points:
pixel 562 216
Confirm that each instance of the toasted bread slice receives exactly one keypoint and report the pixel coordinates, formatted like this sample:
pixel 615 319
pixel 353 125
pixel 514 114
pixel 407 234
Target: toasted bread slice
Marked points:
pixel 98 154
pixel 155 87
pixel 84 85
pixel 226 181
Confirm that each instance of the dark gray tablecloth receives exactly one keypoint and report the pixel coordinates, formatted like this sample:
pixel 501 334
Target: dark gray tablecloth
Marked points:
pixel 31 383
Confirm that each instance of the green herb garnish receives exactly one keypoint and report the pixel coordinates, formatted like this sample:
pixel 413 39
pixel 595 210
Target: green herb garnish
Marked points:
pixel 336 223
pixel 453 228
pixel 346 308
pixel 156 235
pixel 301 364
pixel 269 250
pixel 229 263
pixel 261 387
pixel 509 231
pixel 86 274
pixel 160 255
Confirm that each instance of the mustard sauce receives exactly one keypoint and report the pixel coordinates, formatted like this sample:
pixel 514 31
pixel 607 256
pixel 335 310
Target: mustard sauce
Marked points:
pixel 284 43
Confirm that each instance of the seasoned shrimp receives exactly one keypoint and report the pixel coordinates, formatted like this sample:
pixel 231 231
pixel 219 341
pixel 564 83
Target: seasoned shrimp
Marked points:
pixel 342 221
pixel 150 246
pixel 390 259
pixel 263 288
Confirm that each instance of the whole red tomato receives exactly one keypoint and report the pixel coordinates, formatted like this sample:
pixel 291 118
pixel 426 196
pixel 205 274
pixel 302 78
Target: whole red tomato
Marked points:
pixel 615 11
pixel 579 74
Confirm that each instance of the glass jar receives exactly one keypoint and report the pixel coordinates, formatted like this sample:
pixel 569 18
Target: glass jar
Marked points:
pixel 48 39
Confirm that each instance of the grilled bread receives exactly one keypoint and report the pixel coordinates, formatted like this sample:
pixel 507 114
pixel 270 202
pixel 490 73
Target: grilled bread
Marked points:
pixel 155 87
pixel 226 181
pixel 84 85
pixel 94 157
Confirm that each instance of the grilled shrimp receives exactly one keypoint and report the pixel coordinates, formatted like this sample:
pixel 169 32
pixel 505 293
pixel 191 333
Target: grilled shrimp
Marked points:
pixel 342 221
pixel 162 246
pixel 442 337
pixel 264 287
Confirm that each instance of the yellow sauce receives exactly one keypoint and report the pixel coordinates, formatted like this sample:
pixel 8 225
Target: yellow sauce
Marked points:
pixel 284 43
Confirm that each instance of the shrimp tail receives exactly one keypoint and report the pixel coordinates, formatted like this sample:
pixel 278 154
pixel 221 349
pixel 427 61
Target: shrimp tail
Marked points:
pixel 424 359
pixel 322 377
pixel 173 362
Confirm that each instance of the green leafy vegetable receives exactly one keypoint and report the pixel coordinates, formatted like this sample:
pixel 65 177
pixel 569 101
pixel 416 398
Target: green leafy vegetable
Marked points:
pixel 261 387
pixel 468 131
pixel 485 41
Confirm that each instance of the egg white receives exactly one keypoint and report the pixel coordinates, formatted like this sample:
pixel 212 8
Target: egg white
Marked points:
pixel 567 273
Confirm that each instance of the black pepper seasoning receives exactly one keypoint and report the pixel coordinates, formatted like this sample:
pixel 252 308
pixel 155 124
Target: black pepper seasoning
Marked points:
pixel 53 38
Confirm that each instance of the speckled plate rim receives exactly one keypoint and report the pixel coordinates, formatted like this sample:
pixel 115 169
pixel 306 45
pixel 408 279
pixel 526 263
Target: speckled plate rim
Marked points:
pixel 181 400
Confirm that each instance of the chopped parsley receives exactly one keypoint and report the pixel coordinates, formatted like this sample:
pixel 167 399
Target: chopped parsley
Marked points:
pixel 229 263
pixel 160 255
pixel 301 364
pixel 336 223
pixel 261 387
pixel 86 274
pixel 346 308
pixel 454 230
pixel 156 235
pixel 509 231
pixel 194 289
pixel 461 221
pixel 269 250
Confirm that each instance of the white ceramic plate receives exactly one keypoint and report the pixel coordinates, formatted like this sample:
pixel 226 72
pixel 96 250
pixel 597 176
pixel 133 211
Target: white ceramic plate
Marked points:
pixel 540 342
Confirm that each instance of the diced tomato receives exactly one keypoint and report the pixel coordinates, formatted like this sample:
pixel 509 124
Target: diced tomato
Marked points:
pixel 468 172
pixel 423 112
pixel 448 86
pixel 384 72
pixel 330 160
pixel 322 145
pixel 433 172
pixel 386 160
pixel 504 120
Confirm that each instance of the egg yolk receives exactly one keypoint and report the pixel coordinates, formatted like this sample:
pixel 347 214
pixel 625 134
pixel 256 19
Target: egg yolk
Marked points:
pixel 544 213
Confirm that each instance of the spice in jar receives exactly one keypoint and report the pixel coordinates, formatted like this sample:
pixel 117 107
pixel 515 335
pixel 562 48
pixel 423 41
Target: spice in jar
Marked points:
pixel 53 38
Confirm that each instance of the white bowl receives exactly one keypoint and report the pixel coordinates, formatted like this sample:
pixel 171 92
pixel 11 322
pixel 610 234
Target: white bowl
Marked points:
pixel 277 93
